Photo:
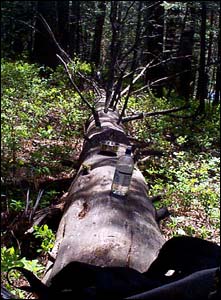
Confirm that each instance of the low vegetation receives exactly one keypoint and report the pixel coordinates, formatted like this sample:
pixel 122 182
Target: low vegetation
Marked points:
pixel 42 133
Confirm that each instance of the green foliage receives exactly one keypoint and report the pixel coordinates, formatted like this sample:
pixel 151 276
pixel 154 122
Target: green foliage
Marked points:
pixel 79 66
pixel 46 236
pixel 189 173
pixel 16 205
pixel 11 258
pixel 38 108
pixel 190 184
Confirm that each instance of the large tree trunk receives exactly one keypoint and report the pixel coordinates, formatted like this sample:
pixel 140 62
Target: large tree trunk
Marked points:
pixel 97 227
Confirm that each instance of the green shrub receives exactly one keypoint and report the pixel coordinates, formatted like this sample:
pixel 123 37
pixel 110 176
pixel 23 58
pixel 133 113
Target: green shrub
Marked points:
pixel 46 236
pixel 11 258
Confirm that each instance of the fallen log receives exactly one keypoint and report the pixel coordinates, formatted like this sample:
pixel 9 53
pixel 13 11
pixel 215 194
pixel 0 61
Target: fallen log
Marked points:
pixel 97 227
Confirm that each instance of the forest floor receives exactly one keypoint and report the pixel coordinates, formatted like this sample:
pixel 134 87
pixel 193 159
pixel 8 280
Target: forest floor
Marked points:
pixel 42 136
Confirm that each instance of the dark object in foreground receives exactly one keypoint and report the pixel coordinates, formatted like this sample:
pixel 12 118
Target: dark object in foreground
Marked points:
pixel 198 285
pixel 196 276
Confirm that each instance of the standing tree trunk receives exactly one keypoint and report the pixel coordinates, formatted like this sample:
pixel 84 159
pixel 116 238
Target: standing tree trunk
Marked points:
pixel 96 47
pixel 97 227
pixel 185 51
pixel 218 72
pixel 75 28
pixel 154 43
pixel 44 51
pixel 63 23
pixel 202 79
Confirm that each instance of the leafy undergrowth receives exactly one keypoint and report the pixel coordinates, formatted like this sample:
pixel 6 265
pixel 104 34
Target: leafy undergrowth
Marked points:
pixel 42 135
pixel 42 121
pixel 190 185
pixel 187 175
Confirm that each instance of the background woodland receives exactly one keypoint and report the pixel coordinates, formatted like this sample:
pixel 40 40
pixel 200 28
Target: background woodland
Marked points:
pixel 156 56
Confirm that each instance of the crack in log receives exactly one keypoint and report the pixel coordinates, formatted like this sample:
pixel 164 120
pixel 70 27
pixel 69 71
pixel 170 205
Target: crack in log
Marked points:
pixel 63 233
pixel 130 249
pixel 84 211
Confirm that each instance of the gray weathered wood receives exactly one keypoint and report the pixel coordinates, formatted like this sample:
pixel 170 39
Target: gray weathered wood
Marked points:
pixel 97 227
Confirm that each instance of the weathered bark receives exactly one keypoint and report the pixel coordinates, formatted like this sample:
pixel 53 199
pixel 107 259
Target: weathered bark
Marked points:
pixel 97 227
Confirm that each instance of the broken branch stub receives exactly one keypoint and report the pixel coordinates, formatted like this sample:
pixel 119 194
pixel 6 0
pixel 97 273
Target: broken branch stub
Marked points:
pixel 99 228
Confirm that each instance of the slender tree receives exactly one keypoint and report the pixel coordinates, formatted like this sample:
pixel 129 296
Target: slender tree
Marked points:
pixel 98 31
pixel 202 79
pixel 44 50
pixel 75 28
pixel 185 63
pixel 218 72
pixel 154 23
pixel 63 23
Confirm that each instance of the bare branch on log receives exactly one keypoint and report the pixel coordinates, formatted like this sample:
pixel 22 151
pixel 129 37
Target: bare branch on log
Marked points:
pixel 156 82
pixel 126 13
pixel 94 112
pixel 126 101
pixel 136 78
pixel 165 61
pixel 134 62
pixel 117 88
pixel 148 152
pixel 65 59
pixel 152 5
pixel 153 113
pixel 167 78
pixel 47 27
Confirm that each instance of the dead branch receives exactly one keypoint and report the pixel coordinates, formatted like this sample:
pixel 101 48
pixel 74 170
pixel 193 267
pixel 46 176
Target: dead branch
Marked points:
pixel 165 61
pixel 141 156
pixel 136 78
pixel 51 34
pixel 27 201
pixel 142 115
pixel 94 112
pixel 127 12
pixel 156 82
pixel 40 193
pixel 65 59
pixel 167 78
pixel 134 63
